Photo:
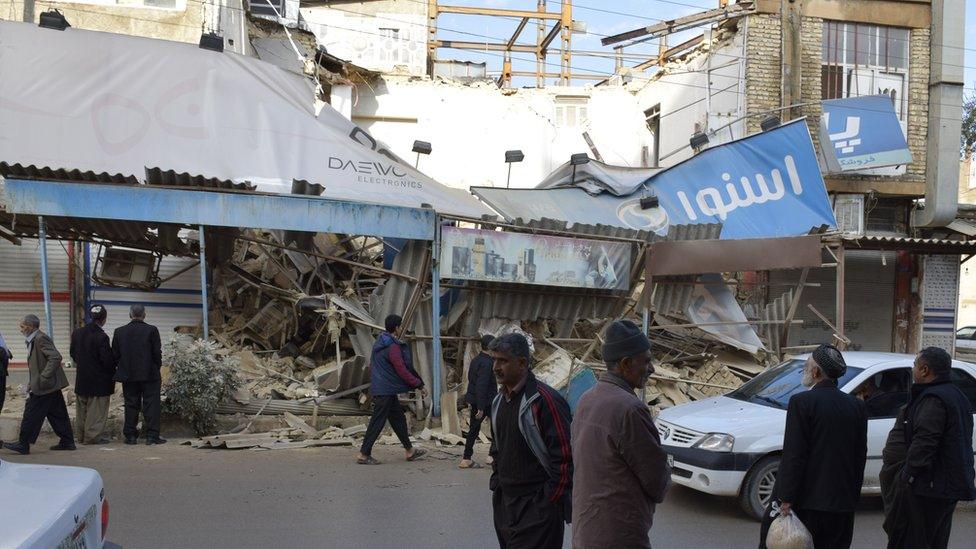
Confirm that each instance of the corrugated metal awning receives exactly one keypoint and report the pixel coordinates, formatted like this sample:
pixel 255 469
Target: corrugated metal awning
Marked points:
pixel 931 246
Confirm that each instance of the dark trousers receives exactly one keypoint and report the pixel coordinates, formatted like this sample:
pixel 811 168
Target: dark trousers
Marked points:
pixel 386 408
pixel 474 429
pixel 141 396
pixel 51 407
pixel 3 387
pixel 526 522
pixel 829 530
pixel 916 522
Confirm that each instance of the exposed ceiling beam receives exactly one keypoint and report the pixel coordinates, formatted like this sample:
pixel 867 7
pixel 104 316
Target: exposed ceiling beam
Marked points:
pixel 683 23
pixel 686 45
pixel 490 46
pixel 544 45
pixel 465 10
pixel 518 31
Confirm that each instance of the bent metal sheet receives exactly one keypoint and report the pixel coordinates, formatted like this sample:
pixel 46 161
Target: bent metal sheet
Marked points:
pixel 494 256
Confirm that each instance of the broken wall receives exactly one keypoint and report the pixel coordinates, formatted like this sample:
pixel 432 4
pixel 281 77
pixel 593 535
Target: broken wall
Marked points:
pixel 705 90
pixel 470 127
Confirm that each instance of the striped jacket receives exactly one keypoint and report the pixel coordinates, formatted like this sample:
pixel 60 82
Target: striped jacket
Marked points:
pixel 545 420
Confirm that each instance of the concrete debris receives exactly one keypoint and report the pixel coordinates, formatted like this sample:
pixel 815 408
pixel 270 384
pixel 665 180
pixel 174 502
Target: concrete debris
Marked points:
pixel 436 435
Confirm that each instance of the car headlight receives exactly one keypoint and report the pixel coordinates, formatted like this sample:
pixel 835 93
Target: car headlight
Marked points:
pixel 716 442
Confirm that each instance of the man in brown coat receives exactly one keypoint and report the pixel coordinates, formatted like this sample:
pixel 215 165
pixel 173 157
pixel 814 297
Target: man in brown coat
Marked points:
pixel 45 400
pixel 621 471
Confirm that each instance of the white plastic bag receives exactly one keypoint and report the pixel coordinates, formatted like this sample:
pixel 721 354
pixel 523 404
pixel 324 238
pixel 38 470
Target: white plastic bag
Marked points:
pixel 788 533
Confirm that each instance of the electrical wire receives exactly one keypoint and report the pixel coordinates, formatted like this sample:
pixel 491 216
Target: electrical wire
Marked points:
pixel 514 57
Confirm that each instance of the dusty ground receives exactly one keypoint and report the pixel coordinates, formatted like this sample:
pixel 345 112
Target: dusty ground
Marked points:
pixel 176 496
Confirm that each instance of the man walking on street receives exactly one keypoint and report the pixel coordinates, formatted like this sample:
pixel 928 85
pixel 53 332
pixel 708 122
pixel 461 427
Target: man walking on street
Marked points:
pixel 621 472
pixel 481 390
pixel 391 372
pixel 94 377
pixel 532 477
pixel 928 460
pixel 45 400
pixel 824 451
pixel 5 356
pixel 139 356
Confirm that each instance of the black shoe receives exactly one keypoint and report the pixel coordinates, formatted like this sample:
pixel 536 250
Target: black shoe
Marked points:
pixel 131 440
pixel 156 440
pixel 21 449
pixel 62 446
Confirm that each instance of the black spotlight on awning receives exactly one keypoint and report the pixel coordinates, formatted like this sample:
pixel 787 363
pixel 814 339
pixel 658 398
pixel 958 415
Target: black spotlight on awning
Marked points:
pixel 53 19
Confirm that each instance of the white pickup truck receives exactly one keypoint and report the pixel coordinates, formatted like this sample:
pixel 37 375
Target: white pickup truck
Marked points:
pixel 52 506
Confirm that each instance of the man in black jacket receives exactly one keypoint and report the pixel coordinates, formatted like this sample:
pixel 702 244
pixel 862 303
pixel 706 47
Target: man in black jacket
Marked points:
pixel 94 377
pixel 824 451
pixel 139 356
pixel 532 476
pixel 933 438
pixel 481 390
pixel 5 356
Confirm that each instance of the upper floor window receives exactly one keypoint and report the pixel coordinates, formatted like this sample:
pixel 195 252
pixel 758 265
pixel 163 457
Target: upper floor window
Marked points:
pixel 571 111
pixel 859 59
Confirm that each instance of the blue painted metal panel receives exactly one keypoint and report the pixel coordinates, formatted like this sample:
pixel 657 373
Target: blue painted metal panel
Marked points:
pixel 862 132
pixel 191 207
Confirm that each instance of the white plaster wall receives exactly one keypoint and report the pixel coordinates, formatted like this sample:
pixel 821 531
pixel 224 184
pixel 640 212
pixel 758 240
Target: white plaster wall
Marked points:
pixel 362 40
pixel 471 127
pixel 689 102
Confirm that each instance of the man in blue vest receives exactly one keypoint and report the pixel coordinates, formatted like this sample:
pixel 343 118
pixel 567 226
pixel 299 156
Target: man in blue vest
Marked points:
pixel 932 460
pixel 391 372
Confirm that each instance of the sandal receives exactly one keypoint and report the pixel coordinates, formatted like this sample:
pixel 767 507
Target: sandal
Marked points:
pixel 474 465
pixel 417 454
pixel 368 460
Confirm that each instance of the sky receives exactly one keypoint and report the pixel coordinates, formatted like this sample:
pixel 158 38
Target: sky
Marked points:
pixel 602 18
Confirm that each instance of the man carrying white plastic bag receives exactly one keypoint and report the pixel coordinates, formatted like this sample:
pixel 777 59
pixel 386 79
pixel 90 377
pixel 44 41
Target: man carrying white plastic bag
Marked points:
pixel 824 451
pixel 788 532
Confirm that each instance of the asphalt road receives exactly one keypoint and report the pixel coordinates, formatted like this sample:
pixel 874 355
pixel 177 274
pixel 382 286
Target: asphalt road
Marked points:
pixel 177 496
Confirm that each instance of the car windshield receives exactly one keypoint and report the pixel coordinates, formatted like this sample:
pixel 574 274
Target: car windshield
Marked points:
pixel 775 386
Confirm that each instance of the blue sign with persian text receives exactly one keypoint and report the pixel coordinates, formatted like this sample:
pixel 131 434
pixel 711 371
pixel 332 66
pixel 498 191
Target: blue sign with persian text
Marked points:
pixel 858 133
pixel 764 185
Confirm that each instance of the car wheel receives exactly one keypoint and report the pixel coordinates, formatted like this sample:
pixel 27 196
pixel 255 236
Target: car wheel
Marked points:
pixel 757 489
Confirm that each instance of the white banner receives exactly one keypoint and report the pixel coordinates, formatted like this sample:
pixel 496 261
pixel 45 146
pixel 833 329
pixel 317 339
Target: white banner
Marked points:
pixel 101 102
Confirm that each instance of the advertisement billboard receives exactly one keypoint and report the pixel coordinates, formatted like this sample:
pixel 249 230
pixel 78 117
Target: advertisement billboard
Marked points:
pixel 494 256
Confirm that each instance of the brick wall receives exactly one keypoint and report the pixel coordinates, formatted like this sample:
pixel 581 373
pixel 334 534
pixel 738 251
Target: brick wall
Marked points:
pixel 764 84
pixel 918 101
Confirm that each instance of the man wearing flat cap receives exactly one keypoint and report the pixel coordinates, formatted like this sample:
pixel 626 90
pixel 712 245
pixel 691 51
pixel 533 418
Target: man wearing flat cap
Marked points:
pixel 824 450
pixel 621 471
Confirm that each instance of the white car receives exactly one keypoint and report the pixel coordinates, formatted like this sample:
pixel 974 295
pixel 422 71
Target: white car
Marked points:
pixel 52 506
pixel 730 445
pixel 966 339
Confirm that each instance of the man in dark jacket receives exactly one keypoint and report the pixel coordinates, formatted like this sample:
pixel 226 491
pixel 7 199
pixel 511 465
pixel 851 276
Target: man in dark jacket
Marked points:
pixel 481 390
pixel 5 356
pixel 621 472
pixel 532 467
pixel 45 400
pixel 139 356
pixel 391 372
pixel 94 376
pixel 824 451
pixel 936 446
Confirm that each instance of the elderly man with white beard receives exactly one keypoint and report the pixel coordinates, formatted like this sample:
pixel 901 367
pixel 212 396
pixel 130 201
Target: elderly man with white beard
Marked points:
pixel 824 451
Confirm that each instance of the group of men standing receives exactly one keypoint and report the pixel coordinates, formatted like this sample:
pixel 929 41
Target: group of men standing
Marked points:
pixel 133 358
pixel 927 462
pixel 604 470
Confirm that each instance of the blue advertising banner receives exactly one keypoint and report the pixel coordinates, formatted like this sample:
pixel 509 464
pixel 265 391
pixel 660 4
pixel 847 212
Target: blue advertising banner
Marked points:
pixel 858 133
pixel 764 185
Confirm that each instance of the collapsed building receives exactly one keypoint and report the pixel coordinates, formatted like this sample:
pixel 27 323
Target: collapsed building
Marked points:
pixel 299 305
